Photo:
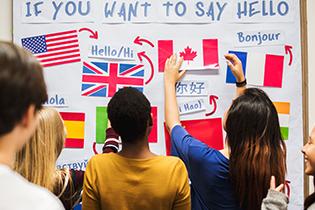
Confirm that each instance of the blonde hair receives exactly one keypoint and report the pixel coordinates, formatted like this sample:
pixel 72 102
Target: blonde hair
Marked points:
pixel 37 160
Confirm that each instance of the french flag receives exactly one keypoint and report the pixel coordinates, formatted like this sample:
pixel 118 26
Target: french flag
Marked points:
pixel 197 54
pixel 259 69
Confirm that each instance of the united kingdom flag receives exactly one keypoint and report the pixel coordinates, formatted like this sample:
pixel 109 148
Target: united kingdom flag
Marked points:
pixel 103 79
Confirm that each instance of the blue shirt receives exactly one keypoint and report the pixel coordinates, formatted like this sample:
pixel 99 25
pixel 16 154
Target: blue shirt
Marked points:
pixel 208 170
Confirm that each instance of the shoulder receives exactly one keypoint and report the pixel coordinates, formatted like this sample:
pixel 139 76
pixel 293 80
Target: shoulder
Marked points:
pixel 99 162
pixel 46 198
pixel 172 162
pixel 312 207
pixel 178 131
pixel 27 193
pixel 172 159
pixel 101 158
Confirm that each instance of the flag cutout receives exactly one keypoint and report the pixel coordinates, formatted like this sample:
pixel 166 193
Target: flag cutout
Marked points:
pixel 102 124
pixel 202 54
pixel 74 123
pixel 209 131
pixel 259 69
pixel 55 48
pixel 153 137
pixel 104 79
pixel 283 110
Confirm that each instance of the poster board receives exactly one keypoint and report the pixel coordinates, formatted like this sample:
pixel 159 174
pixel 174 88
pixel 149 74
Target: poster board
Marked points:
pixel 91 48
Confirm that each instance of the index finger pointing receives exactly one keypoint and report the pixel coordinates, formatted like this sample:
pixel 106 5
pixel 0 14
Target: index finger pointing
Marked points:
pixel 232 58
pixel 272 182
pixel 179 62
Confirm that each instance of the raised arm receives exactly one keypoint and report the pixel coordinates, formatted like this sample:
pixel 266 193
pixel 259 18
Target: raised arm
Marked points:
pixel 112 140
pixel 171 76
pixel 236 67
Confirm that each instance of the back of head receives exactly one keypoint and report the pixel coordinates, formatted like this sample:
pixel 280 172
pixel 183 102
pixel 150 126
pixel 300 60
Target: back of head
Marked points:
pixel 37 160
pixel 21 85
pixel 129 112
pixel 256 145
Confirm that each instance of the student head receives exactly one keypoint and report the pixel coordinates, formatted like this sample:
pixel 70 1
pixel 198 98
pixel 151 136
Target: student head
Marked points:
pixel 129 112
pixel 22 92
pixel 309 156
pixel 37 159
pixel 257 150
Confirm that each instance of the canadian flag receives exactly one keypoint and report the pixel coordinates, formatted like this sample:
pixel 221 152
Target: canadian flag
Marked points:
pixel 197 54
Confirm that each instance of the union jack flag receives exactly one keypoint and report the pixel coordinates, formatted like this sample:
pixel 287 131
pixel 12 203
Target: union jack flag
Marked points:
pixel 55 48
pixel 104 79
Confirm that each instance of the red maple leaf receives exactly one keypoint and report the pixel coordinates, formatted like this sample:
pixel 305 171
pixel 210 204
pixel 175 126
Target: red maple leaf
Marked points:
pixel 188 54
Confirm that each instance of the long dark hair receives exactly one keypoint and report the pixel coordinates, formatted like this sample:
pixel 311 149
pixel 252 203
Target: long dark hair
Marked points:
pixel 256 145
pixel 310 199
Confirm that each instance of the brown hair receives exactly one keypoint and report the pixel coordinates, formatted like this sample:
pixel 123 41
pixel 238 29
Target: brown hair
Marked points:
pixel 257 150
pixel 21 85
pixel 37 160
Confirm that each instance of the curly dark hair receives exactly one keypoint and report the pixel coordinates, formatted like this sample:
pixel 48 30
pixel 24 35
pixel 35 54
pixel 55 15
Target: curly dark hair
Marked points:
pixel 21 85
pixel 129 112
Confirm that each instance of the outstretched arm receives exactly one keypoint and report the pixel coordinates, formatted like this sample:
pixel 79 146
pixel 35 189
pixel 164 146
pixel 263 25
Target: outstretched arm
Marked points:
pixel 112 140
pixel 171 76
pixel 236 67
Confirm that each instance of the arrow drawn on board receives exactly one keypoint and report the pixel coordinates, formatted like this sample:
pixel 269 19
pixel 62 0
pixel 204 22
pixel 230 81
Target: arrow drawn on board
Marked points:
pixel 94 148
pixel 140 41
pixel 94 34
pixel 143 55
pixel 288 49
pixel 213 100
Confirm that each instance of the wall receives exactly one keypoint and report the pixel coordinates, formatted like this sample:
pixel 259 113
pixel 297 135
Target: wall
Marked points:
pixel 311 61
pixel 311 70
pixel 6 20
pixel 6 34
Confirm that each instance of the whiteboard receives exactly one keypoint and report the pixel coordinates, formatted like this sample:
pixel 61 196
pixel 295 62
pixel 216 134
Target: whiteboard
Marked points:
pixel 81 43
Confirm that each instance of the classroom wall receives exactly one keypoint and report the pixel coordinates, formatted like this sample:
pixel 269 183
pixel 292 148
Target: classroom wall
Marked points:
pixel 6 34
pixel 6 20
pixel 311 69
pixel 311 61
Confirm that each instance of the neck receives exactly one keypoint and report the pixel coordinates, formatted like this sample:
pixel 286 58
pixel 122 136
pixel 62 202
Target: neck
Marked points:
pixel 138 150
pixel 226 150
pixel 7 151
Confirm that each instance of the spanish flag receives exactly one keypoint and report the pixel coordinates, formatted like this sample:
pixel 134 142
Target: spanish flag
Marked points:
pixel 283 110
pixel 74 123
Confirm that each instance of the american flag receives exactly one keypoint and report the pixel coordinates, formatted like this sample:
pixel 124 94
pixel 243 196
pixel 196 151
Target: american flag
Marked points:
pixel 104 79
pixel 54 49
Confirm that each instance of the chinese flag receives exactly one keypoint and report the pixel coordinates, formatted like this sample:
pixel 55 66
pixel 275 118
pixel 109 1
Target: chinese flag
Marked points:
pixel 209 131
pixel 153 135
